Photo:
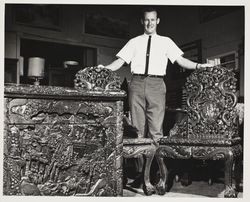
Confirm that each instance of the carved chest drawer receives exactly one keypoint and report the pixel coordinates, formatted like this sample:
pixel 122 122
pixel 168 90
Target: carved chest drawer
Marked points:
pixel 62 141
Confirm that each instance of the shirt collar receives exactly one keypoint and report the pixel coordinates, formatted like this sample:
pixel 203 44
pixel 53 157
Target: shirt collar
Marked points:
pixel 153 35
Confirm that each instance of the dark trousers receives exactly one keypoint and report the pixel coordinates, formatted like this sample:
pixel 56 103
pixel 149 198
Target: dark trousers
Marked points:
pixel 147 97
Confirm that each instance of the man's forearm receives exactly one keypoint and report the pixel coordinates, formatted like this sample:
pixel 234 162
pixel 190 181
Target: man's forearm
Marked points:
pixel 115 65
pixel 188 64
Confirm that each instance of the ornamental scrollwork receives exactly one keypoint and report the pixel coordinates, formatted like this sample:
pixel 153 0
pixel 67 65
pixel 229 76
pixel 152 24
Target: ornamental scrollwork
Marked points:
pixel 211 107
pixel 54 111
pixel 97 79
pixel 135 151
pixel 211 103
pixel 53 160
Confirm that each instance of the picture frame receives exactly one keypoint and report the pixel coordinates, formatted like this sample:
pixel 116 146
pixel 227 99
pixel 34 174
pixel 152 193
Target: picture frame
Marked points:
pixel 208 13
pixel 102 25
pixel 46 16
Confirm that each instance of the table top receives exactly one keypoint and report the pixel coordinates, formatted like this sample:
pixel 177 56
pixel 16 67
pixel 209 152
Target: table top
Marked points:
pixel 32 91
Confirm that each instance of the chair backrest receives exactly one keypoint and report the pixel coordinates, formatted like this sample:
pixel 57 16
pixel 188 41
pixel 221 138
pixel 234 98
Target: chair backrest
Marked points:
pixel 211 104
pixel 97 79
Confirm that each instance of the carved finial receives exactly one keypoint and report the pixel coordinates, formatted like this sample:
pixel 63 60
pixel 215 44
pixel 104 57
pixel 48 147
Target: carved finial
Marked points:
pixel 97 79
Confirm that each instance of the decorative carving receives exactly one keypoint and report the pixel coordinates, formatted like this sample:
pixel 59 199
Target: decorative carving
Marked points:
pixel 198 152
pixel 215 153
pixel 53 91
pixel 211 128
pixel 47 111
pixel 211 103
pixel 50 159
pixel 210 107
pixel 191 141
pixel 136 151
pixel 230 192
pixel 97 79
pixel 174 152
pixel 62 146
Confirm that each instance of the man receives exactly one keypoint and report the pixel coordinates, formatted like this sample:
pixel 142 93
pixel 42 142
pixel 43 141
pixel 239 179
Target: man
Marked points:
pixel 147 91
pixel 148 55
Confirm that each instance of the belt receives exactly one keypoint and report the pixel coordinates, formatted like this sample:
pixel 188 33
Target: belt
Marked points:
pixel 148 75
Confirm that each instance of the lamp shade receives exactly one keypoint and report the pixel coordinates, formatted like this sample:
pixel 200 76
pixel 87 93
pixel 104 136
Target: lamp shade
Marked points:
pixel 20 63
pixel 36 67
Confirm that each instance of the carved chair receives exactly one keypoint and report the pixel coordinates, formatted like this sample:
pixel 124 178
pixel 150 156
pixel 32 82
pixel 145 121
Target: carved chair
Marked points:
pixel 95 79
pixel 210 131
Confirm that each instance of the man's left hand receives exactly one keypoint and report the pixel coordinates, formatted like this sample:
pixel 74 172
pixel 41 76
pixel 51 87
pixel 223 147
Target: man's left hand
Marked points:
pixel 204 65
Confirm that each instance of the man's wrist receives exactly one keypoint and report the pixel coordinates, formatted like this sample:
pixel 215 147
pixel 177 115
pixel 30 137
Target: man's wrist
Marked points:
pixel 197 66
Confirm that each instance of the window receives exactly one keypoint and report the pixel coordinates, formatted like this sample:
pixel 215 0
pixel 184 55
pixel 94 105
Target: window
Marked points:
pixel 228 60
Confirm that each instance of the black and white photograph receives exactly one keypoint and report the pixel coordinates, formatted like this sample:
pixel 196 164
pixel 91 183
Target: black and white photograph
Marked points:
pixel 131 99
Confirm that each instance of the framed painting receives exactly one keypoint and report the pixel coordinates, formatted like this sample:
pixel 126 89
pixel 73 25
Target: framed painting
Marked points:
pixel 99 24
pixel 47 16
pixel 208 13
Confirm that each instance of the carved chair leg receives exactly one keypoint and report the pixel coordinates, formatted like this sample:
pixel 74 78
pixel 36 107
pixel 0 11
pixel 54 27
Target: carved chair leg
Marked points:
pixel 125 174
pixel 186 177
pixel 210 172
pixel 238 174
pixel 177 178
pixel 148 188
pixel 161 186
pixel 229 190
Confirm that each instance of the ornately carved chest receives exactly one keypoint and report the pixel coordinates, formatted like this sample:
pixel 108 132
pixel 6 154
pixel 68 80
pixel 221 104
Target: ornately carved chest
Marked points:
pixel 62 141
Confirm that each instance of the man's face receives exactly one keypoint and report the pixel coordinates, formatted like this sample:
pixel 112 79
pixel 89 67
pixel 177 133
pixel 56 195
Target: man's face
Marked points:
pixel 150 22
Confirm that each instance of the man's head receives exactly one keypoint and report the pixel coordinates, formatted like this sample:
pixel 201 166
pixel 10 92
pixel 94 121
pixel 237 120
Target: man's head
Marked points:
pixel 150 20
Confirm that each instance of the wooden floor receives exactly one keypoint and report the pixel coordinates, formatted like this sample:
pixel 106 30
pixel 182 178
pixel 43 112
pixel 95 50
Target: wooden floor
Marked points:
pixel 198 189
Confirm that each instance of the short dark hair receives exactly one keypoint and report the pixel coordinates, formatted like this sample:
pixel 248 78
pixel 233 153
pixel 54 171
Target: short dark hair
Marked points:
pixel 148 9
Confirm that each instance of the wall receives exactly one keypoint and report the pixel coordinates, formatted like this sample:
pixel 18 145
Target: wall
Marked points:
pixel 71 32
pixel 181 23
pixel 220 35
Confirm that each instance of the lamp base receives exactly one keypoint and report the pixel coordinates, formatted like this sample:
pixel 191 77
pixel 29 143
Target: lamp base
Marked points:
pixel 37 81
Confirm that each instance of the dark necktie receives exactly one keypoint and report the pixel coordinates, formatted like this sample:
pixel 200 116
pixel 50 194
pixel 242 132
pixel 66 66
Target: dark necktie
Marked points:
pixel 147 55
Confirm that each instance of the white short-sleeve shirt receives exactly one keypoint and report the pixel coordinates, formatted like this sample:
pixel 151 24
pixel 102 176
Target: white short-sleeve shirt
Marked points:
pixel 162 48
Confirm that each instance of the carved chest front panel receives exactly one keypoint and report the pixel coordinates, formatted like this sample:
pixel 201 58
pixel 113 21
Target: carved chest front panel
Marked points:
pixel 62 142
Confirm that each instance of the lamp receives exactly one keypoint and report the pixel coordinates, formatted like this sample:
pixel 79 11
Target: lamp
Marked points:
pixel 36 69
